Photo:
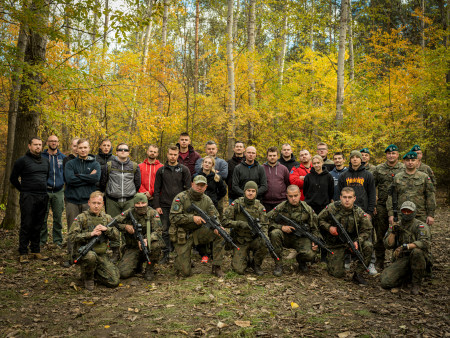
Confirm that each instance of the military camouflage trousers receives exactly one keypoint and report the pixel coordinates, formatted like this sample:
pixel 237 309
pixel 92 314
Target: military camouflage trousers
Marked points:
pixel 381 225
pixel 101 268
pixel 241 256
pixel 302 245
pixel 409 266
pixel 133 258
pixel 336 262
pixel 200 236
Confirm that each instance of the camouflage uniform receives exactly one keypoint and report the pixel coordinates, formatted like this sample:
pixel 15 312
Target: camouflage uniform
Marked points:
pixel 427 170
pixel 184 233
pixel 301 214
pixel 384 176
pixel 133 257
pixel 416 188
pixel 370 168
pixel 358 227
pixel 242 234
pixel 410 263
pixel 95 264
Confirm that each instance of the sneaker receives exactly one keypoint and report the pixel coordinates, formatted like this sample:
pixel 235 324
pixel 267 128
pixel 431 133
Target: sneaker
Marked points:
pixel 149 273
pixel 302 267
pixel 39 256
pixel 372 270
pixel 23 259
pixel 165 259
pixel 205 259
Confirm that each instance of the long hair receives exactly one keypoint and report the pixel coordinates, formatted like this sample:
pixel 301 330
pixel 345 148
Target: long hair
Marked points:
pixel 213 169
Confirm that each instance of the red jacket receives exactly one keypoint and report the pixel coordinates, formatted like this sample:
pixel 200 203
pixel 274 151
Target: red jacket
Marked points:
pixel 148 174
pixel 294 177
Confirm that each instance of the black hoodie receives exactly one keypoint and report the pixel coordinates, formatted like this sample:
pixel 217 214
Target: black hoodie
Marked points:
pixel 318 189
pixel 103 158
pixel 291 163
pixel 232 163
pixel 33 171
pixel 362 181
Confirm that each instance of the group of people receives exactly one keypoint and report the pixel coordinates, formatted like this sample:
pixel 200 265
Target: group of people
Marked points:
pixel 114 200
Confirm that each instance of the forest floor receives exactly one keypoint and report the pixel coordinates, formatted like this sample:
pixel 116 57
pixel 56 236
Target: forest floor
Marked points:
pixel 43 299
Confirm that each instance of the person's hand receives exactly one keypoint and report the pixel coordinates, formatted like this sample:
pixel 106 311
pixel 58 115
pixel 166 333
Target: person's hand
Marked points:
pixel 198 220
pixel 217 231
pixel 93 172
pixel 139 243
pixel 129 228
pixel 369 217
pixel 287 229
pixel 397 252
pixel 148 195
pixel 430 220
pixel 314 246
pixel 333 231
pixel 159 210
pixel 98 230
pixel 356 245
pixel 375 211
pixel 391 220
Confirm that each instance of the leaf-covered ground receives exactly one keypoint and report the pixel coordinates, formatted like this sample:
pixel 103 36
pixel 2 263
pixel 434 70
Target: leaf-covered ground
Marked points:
pixel 44 299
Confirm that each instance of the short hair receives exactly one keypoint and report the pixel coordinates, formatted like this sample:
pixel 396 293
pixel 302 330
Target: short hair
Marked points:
pixel 272 150
pixel 34 138
pixel 153 146
pixel 184 134
pixel 96 194
pixel 209 143
pixel 172 147
pixel 82 140
pixel 105 140
pixel 285 144
pixel 322 144
pixel 293 187
pixel 239 142
pixel 318 157
pixel 339 153
pixel 122 144
pixel 303 150
pixel 348 189
pixel 75 139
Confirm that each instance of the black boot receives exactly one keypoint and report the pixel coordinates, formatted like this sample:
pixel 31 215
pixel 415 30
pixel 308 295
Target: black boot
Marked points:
pixel 217 270
pixel 257 269
pixel 415 289
pixel 165 259
pixel 278 270
pixel 358 279
pixel 302 267
pixel 149 272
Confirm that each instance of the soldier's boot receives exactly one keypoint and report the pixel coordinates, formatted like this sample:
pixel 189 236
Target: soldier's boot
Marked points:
pixel 89 282
pixel 278 269
pixel 415 289
pixel 379 265
pixel 115 257
pixel 358 279
pixel 39 256
pixel 302 267
pixel 23 259
pixel 257 269
pixel 217 270
pixel 149 272
pixel 165 259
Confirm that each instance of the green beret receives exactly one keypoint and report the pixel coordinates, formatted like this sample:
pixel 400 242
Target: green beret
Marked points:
pixel 415 148
pixel 251 185
pixel 140 197
pixel 365 150
pixel 391 147
pixel 200 179
pixel 356 153
pixel 410 155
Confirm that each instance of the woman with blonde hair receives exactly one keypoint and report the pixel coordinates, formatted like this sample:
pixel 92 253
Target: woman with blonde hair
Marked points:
pixel 216 189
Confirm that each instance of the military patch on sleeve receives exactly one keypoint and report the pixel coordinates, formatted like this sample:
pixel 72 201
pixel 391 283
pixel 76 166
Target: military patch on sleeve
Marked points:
pixel 264 209
pixel 429 178
pixel 422 233
pixel 157 215
pixel 176 207
pixel 123 214
pixel 232 204
pixel 75 219
pixel 177 200
pixel 365 215
pixel 421 226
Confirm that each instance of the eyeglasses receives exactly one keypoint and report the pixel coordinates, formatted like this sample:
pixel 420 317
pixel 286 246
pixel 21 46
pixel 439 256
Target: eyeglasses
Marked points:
pixel 123 149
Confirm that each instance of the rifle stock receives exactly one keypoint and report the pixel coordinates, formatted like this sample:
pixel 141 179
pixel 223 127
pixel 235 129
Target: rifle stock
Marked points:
pixel 138 235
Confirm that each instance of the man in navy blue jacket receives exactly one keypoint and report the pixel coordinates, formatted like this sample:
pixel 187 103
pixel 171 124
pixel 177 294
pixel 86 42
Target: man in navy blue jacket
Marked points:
pixel 55 191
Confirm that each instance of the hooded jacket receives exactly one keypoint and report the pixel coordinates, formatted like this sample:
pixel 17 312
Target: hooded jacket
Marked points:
pixel 362 181
pixel 232 163
pixel 318 189
pixel 249 172
pixel 55 180
pixel 215 190
pixel 170 181
pixel 336 173
pixel 294 177
pixel 190 160
pixel 148 175
pixel 277 182
pixel 80 182
pixel 289 164
pixel 33 172
pixel 103 158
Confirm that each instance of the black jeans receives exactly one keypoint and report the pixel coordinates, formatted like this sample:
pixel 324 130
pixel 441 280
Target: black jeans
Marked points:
pixel 165 230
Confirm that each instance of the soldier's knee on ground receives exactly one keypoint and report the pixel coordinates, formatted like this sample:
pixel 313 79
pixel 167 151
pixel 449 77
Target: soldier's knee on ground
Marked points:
pixel 113 280
pixel 386 280
pixel 125 270
pixel 306 255
pixel 417 253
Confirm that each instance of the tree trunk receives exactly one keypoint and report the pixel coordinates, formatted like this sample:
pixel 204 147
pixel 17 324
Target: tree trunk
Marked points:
pixel 235 24
pixel 164 44
pixel 95 22
pixel 340 71
pixel 311 26
pixel 148 31
pixel 251 60
pixel 28 114
pixel 351 55
pixel 105 28
pixel 196 56
pixel 67 23
pixel 231 138
pixel 283 45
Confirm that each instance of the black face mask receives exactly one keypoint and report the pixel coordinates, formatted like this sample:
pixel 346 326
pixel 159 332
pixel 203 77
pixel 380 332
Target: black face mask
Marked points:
pixel 196 196
pixel 408 217
pixel 248 201
pixel 140 210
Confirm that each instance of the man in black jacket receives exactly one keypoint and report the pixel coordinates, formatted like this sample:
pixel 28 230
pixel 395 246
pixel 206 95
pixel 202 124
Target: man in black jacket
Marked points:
pixel 170 180
pixel 287 157
pixel 232 163
pixel 33 171
pixel 104 153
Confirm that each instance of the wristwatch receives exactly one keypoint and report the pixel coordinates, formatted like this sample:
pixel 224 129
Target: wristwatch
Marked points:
pixel 405 246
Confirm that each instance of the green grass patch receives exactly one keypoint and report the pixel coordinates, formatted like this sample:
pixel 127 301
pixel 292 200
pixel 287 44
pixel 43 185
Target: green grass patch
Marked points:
pixel 363 313
pixel 224 313
pixel 10 295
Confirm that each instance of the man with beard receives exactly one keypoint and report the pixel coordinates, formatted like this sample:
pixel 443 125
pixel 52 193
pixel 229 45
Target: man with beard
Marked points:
pixel 237 158
pixel 148 170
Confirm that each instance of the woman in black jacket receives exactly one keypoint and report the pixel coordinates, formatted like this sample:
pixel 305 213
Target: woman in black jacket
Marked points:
pixel 319 186
pixel 216 189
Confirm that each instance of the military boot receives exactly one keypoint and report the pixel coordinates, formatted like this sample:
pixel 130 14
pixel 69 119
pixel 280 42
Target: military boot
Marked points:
pixel 358 279
pixel 89 282
pixel 149 272
pixel 217 270
pixel 165 259
pixel 257 269
pixel 23 259
pixel 115 255
pixel 302 267
pixel 278 270
pixel 39 256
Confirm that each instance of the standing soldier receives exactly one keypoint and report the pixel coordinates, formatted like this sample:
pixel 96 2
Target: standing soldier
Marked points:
pixel 87 225
pixel 422 166
pixel 282 235
pixel 415 186
pixel 384 176
pixel 411 241
pixel 241 231
pixel 365 153
pixel 186 227
pixel 357 224
pixel 133 257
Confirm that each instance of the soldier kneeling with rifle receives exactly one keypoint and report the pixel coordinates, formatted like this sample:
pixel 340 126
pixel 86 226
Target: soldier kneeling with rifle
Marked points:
pixel 139 224
pixel 90 233
pixel 411 240
pixel 348 229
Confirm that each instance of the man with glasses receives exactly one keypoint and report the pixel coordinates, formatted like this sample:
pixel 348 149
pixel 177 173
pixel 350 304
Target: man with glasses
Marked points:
pixel 322 150
pixel 120 180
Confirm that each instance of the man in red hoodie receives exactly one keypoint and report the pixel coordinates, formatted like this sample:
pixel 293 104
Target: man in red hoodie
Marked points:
pixel 148 170
pixel 297 174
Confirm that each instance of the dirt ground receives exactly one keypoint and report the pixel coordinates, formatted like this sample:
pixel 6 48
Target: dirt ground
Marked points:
pixel 44 299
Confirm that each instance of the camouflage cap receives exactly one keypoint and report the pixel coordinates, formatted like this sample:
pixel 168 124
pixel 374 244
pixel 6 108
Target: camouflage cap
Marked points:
pixel 415 148
pixel 200 179
pixel 410 155
pixel 140 197
pixel 408 205
pixel 251 185
pixel 391 147
pixel 356 153
pixel 365 150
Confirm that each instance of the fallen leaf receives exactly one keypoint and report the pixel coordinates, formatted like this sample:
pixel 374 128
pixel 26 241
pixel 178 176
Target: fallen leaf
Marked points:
pixel 251 278
pixel 221 325
pixel 394 290
pixel 106 326
pixel 344 334
pixel 294 305
pixel 170 305
pixel 403 327
pixel 120 284
pixel 46 281
pixel 242 323
pixel 88 302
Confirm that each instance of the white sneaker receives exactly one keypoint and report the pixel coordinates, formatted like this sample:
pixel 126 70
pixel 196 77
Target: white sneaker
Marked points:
pixel 372 270
pixel 347 266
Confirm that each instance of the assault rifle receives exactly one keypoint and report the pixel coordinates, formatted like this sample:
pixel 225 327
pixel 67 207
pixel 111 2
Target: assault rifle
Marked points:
pixel 395 229
pixel 83 250
pixel 302 231
pixel 212 224
pixel 256 231
pixel 138 235
pixel 343 235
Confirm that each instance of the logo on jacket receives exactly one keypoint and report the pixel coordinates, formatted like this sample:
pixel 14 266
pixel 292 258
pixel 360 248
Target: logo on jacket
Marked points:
pixel 355 181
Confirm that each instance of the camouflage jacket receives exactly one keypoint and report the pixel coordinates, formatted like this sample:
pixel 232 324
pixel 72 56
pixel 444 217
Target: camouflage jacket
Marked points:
pixel 370 168
pixel 301 214
pixel 384 176
pixel 355 221
pixel 150 219
pixel 416 188
pixel 427 170
pixel 235 219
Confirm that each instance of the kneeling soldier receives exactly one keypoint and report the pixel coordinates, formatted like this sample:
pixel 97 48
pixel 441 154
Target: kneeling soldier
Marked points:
pixel 89 224
pixel 357 224
pixel 411 239
pixel 283 235
pixel 186 227
pixel 133 256
pixel 241 231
